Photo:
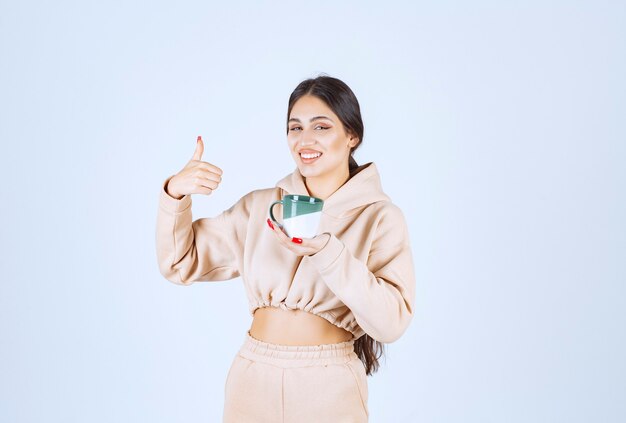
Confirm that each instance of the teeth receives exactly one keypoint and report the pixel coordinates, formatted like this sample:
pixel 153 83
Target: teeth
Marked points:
pixel 310 156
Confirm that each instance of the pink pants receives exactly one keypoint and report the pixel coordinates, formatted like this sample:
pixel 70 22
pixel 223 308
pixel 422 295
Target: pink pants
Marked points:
pixel 295 383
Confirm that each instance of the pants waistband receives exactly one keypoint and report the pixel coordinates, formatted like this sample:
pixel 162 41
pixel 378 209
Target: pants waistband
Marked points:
pixel 296 355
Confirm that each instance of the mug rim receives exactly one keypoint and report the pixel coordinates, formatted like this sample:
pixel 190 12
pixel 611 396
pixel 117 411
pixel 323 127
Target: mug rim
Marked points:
pixel 307 199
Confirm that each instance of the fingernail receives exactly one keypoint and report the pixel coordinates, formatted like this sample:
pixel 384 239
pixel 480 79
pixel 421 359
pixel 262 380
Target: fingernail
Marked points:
pixel 270 223
pixel 199 138
pixel 296 240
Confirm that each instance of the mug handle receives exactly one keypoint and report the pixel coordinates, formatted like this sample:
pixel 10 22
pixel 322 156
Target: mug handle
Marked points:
pixel 272 214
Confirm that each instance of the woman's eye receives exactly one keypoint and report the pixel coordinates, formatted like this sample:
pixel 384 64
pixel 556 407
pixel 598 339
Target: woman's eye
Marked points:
pixel 297 127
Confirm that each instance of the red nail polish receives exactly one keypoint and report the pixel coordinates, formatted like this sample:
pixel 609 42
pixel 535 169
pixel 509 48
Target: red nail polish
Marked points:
pixel 199 138
pixel 296 240
pixel 269 222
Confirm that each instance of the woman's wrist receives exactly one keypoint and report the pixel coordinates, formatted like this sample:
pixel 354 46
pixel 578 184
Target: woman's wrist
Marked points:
pixel 324 245
pixel 170 194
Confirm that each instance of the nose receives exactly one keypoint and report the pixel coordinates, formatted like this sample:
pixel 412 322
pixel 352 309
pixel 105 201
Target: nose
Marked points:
pixel 304 142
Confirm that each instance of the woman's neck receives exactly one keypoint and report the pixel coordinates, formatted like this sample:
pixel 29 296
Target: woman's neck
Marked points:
pixel 323 186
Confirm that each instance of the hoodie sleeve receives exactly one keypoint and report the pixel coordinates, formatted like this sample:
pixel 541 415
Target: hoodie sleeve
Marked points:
pixel 205 249
pixel 381 292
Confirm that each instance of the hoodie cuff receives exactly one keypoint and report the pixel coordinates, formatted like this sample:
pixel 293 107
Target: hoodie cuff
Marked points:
pixel 170 203
pixel 325 257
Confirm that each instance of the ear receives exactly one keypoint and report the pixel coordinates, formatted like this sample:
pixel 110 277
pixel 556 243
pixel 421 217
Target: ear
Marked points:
pixel 353 141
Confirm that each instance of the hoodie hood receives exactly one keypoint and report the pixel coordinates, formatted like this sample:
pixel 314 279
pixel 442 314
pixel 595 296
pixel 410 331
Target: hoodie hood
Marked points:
pixel 363 188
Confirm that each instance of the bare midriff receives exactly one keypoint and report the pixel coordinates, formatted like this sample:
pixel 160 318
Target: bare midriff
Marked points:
pixel 295 327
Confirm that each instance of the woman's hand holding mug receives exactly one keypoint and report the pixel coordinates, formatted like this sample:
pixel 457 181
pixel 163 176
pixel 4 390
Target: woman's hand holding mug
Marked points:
pixel 300 246
pixel 197 177
pixel 301 221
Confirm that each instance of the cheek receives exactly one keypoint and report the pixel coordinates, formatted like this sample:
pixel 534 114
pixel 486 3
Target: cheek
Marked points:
pixel 339 146
pixel 291 144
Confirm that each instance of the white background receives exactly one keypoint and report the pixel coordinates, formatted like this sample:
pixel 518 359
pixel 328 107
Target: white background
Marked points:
pixel 497 127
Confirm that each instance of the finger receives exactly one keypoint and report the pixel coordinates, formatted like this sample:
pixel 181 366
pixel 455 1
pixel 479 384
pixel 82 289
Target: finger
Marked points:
pixel 207 183
pixel 210 174
pixel 274 226
pixel 283 233
pixel 210 167
pixel 197 155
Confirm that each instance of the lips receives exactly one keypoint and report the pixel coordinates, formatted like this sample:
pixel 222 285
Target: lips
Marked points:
pixel 311 159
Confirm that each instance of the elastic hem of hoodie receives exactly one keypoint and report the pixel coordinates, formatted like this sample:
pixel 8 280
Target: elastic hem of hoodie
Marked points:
pixel 350 327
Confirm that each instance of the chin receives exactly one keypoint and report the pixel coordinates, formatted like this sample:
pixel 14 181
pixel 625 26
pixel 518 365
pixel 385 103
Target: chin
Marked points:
pixel 308 171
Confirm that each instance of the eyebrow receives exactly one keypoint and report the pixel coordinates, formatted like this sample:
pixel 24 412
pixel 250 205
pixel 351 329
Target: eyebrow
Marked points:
pixel 312 119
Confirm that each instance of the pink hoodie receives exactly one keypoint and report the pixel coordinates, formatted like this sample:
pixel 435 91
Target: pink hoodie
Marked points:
pixel 363 279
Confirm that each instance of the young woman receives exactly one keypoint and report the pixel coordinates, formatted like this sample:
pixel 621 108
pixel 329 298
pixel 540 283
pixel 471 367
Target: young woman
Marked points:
pixel 322 307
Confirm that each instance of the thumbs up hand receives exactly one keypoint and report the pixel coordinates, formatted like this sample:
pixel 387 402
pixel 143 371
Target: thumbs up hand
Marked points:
pixel 197 177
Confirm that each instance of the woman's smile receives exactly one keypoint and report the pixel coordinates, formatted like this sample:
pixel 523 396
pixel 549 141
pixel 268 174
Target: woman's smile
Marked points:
pixel 308 158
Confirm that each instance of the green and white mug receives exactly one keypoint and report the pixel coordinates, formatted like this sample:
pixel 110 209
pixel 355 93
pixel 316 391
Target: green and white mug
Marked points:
pixel 301 215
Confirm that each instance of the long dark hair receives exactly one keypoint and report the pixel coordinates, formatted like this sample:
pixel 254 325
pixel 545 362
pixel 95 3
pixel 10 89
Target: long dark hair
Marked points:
pixel 342 101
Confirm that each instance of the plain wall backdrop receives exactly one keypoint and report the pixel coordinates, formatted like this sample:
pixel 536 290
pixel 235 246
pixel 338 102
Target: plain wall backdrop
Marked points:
pixel 498 128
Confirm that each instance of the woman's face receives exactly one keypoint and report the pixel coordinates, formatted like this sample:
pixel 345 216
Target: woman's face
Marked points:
pixel 314 128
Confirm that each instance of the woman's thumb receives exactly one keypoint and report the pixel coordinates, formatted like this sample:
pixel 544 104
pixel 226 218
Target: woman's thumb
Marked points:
pixel 197 155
